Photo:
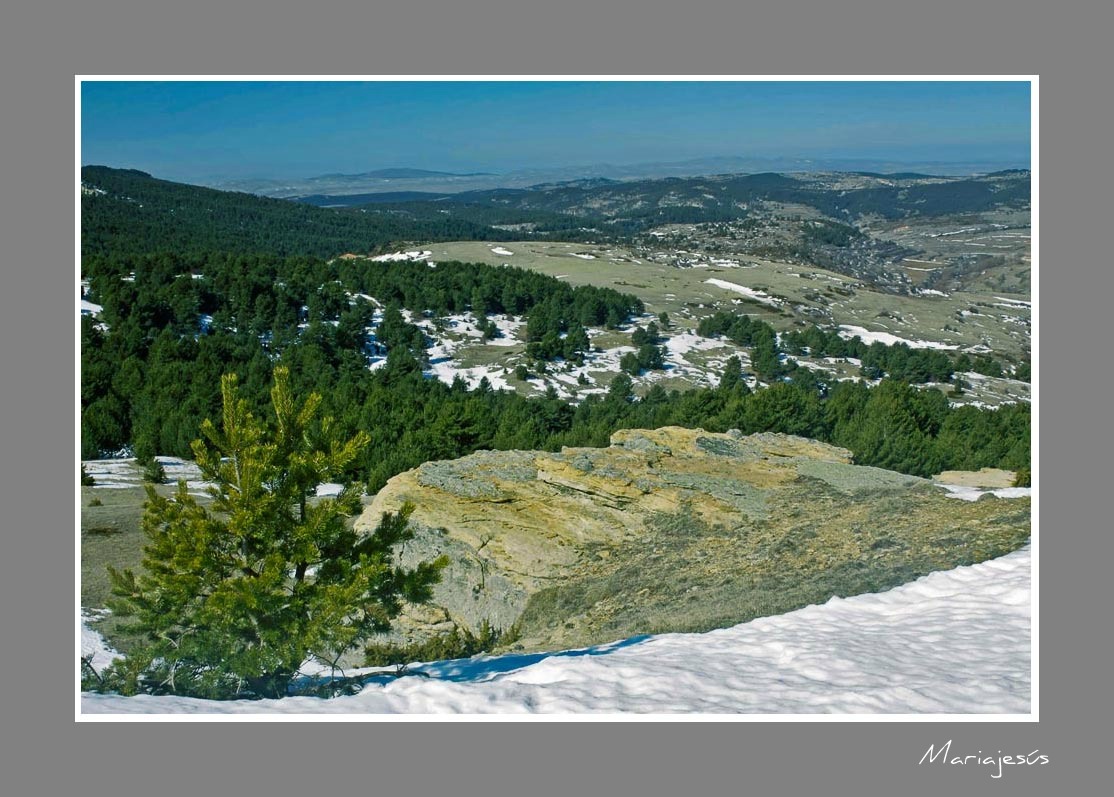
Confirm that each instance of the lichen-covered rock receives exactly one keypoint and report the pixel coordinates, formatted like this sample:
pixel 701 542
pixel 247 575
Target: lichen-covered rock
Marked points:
pixel 673 529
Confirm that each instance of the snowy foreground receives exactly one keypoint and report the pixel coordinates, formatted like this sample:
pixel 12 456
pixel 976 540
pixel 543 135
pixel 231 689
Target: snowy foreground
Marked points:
pixel 953 642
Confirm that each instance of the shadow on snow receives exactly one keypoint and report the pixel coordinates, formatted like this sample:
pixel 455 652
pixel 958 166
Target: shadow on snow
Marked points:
pixel 485 668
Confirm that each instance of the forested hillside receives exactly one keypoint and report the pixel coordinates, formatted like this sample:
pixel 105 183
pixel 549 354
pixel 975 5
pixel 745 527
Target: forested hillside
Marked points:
pixel 125 212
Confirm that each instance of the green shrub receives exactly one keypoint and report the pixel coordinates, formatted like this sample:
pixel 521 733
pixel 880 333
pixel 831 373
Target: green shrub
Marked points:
pixel 153 471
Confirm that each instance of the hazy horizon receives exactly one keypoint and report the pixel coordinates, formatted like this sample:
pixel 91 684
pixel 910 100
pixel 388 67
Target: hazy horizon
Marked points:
pixel 202 131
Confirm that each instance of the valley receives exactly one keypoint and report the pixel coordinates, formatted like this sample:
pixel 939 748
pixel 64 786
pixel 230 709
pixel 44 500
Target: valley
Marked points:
pixel 688 286
pixel 618 408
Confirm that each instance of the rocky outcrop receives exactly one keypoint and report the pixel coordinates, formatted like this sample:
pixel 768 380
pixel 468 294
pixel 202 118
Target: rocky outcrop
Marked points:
pixel 673 529
pixel 984 478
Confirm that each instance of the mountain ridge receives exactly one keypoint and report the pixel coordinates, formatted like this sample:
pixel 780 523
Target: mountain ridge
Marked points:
pixel 433 181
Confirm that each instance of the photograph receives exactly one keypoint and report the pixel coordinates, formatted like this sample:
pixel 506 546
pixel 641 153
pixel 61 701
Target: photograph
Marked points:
pixel 622 398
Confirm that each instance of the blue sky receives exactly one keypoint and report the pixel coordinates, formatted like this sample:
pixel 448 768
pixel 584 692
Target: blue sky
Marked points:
pixel 211 130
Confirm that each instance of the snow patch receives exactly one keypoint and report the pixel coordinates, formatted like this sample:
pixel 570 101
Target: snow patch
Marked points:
pixel 866 336
pixel 92 643
pixel 964 493
pixel 685 342
pixel 447 372
pixel 760 296
pixel 124 472
pixel 508 330
pixel 410 255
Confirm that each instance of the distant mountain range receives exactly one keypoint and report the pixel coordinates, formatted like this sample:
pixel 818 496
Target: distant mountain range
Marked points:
pixel 638 204
pixel 400 174
pixel 395 180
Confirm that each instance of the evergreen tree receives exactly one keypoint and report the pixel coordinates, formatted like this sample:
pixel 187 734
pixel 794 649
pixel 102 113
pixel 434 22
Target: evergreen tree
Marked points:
pixel 621 389
pixel 651 357
pixel 732 377
pixel 153 471
pixel 629 363
pixel 651 334
pixel 237 596
pixel 490 330
pixel 576 343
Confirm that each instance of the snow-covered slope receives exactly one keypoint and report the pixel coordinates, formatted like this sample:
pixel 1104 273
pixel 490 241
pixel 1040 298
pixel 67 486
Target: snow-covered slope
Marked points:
pixel 952 642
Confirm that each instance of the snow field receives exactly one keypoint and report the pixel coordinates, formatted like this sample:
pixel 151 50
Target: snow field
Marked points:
pixel 441 354
pixel 952 642
pixel 445 367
